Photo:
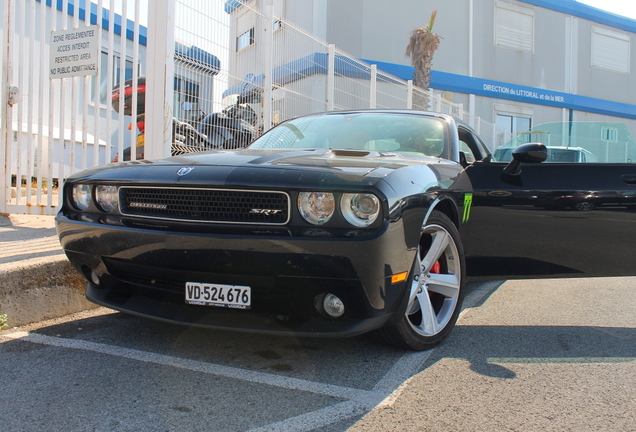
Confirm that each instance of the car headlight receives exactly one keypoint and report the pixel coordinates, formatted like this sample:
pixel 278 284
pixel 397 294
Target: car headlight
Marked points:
pixel 81 196
pixel 316 207
pixel 360 209
pixel 107 198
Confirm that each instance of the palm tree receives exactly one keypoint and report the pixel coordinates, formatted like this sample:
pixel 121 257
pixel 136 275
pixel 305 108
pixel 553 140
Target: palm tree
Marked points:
pixel 422 45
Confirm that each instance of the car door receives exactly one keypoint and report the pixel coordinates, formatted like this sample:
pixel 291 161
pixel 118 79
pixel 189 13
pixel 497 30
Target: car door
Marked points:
pixel 563 219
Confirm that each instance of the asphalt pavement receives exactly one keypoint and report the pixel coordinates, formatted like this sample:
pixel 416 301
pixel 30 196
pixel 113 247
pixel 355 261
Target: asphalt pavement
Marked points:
pixel 536 355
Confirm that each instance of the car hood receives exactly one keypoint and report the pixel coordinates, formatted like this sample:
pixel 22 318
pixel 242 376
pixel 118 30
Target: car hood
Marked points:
pixel 257 166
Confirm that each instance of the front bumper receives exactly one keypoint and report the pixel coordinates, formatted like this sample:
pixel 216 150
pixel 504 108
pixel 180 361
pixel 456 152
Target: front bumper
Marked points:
pixel 144 272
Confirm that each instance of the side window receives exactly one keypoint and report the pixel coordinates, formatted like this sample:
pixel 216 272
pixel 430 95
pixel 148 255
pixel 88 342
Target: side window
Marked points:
pixel 577 142
pixel 468 153
pixel 471 147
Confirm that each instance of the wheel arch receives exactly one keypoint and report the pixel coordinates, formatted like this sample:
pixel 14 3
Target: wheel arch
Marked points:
pixel 396 330
pixel 445 205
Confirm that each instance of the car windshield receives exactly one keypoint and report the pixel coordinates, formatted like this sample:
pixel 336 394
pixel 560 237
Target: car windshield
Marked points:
pixel 383 132
pixel 605 142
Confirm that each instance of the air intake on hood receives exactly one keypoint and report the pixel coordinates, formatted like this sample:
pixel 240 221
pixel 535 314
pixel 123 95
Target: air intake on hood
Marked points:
pixel 347 152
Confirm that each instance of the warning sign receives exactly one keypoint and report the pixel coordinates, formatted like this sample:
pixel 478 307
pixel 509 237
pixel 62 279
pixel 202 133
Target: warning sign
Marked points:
pixel 74 52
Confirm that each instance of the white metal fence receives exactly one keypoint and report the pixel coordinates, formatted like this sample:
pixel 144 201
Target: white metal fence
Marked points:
pixel 293 71
pixel 196 55
pixel 57 126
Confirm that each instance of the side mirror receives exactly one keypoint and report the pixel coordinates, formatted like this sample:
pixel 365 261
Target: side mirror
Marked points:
pixel 462 159
pixel 526 153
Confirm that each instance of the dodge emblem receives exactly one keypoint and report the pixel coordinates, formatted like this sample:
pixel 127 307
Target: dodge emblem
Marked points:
pixel 184 171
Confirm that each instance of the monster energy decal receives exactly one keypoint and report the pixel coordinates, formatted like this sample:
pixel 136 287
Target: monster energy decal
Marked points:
pixel 468 203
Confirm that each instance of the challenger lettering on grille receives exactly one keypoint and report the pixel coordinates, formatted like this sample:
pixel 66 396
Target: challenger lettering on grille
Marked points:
pixel 206 205
pixel 148 205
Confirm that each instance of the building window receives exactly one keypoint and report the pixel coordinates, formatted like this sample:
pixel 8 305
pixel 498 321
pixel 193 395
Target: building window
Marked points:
pixel 610 50
pixel 514 27
pixel 509 126
pixel 186 100
pixel 245 39
pixel 609 134
pixel 106 85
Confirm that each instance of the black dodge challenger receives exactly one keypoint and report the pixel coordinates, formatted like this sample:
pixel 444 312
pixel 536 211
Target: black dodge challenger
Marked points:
pixel 337 224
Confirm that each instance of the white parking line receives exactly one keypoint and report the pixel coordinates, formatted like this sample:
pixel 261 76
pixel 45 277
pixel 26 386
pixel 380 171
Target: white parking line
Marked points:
pixel 193 365
pixel 317 419
pixel 559 360
pixel 382 395
pixel 358 402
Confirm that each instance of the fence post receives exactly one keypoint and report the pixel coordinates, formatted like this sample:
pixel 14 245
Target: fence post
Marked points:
pixel 268 64
pixel 409 94
pixel 438 102
pixel 373 87
pixel 331 76
pixel 5 111
pixel 160 79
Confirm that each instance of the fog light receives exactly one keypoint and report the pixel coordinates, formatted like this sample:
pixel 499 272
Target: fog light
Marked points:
pixel 94 278
pixel 333 306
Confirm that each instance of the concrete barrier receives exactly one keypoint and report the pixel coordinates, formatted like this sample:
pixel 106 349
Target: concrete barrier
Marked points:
pixel 36 280
pixel 42 292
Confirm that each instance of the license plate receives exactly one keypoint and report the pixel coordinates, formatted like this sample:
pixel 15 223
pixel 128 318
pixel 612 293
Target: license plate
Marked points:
pixel 230 296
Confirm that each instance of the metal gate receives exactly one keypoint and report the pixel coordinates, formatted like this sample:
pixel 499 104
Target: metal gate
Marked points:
pixel 58 114
pixel 64 63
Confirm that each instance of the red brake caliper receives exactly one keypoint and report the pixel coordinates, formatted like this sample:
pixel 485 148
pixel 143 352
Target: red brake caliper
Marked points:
pixel 437 268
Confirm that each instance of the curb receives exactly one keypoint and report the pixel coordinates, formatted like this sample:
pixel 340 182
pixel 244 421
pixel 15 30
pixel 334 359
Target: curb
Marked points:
pixel 36 293
pixel 37 282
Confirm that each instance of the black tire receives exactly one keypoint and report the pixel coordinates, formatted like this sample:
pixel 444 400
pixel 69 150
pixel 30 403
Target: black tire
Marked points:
pixel 439 292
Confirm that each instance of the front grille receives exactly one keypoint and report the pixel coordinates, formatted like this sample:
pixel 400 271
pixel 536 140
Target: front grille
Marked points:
pixel 206 205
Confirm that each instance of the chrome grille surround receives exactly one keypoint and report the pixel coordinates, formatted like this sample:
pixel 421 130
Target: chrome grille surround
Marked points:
pixel 256 207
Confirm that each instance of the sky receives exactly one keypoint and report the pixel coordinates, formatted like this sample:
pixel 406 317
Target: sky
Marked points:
pixel 620 7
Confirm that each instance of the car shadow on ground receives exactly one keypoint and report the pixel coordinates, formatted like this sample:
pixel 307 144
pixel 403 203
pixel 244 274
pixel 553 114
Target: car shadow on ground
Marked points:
pixel 356 362
pixel 490 348
pixel 493 351
pixel 361 360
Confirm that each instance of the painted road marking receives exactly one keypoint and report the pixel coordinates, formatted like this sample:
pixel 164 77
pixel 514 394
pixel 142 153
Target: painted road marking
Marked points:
pixel 357 402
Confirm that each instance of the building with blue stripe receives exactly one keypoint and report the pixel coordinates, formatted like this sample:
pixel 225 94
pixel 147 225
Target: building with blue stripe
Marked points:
pixel 514 63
